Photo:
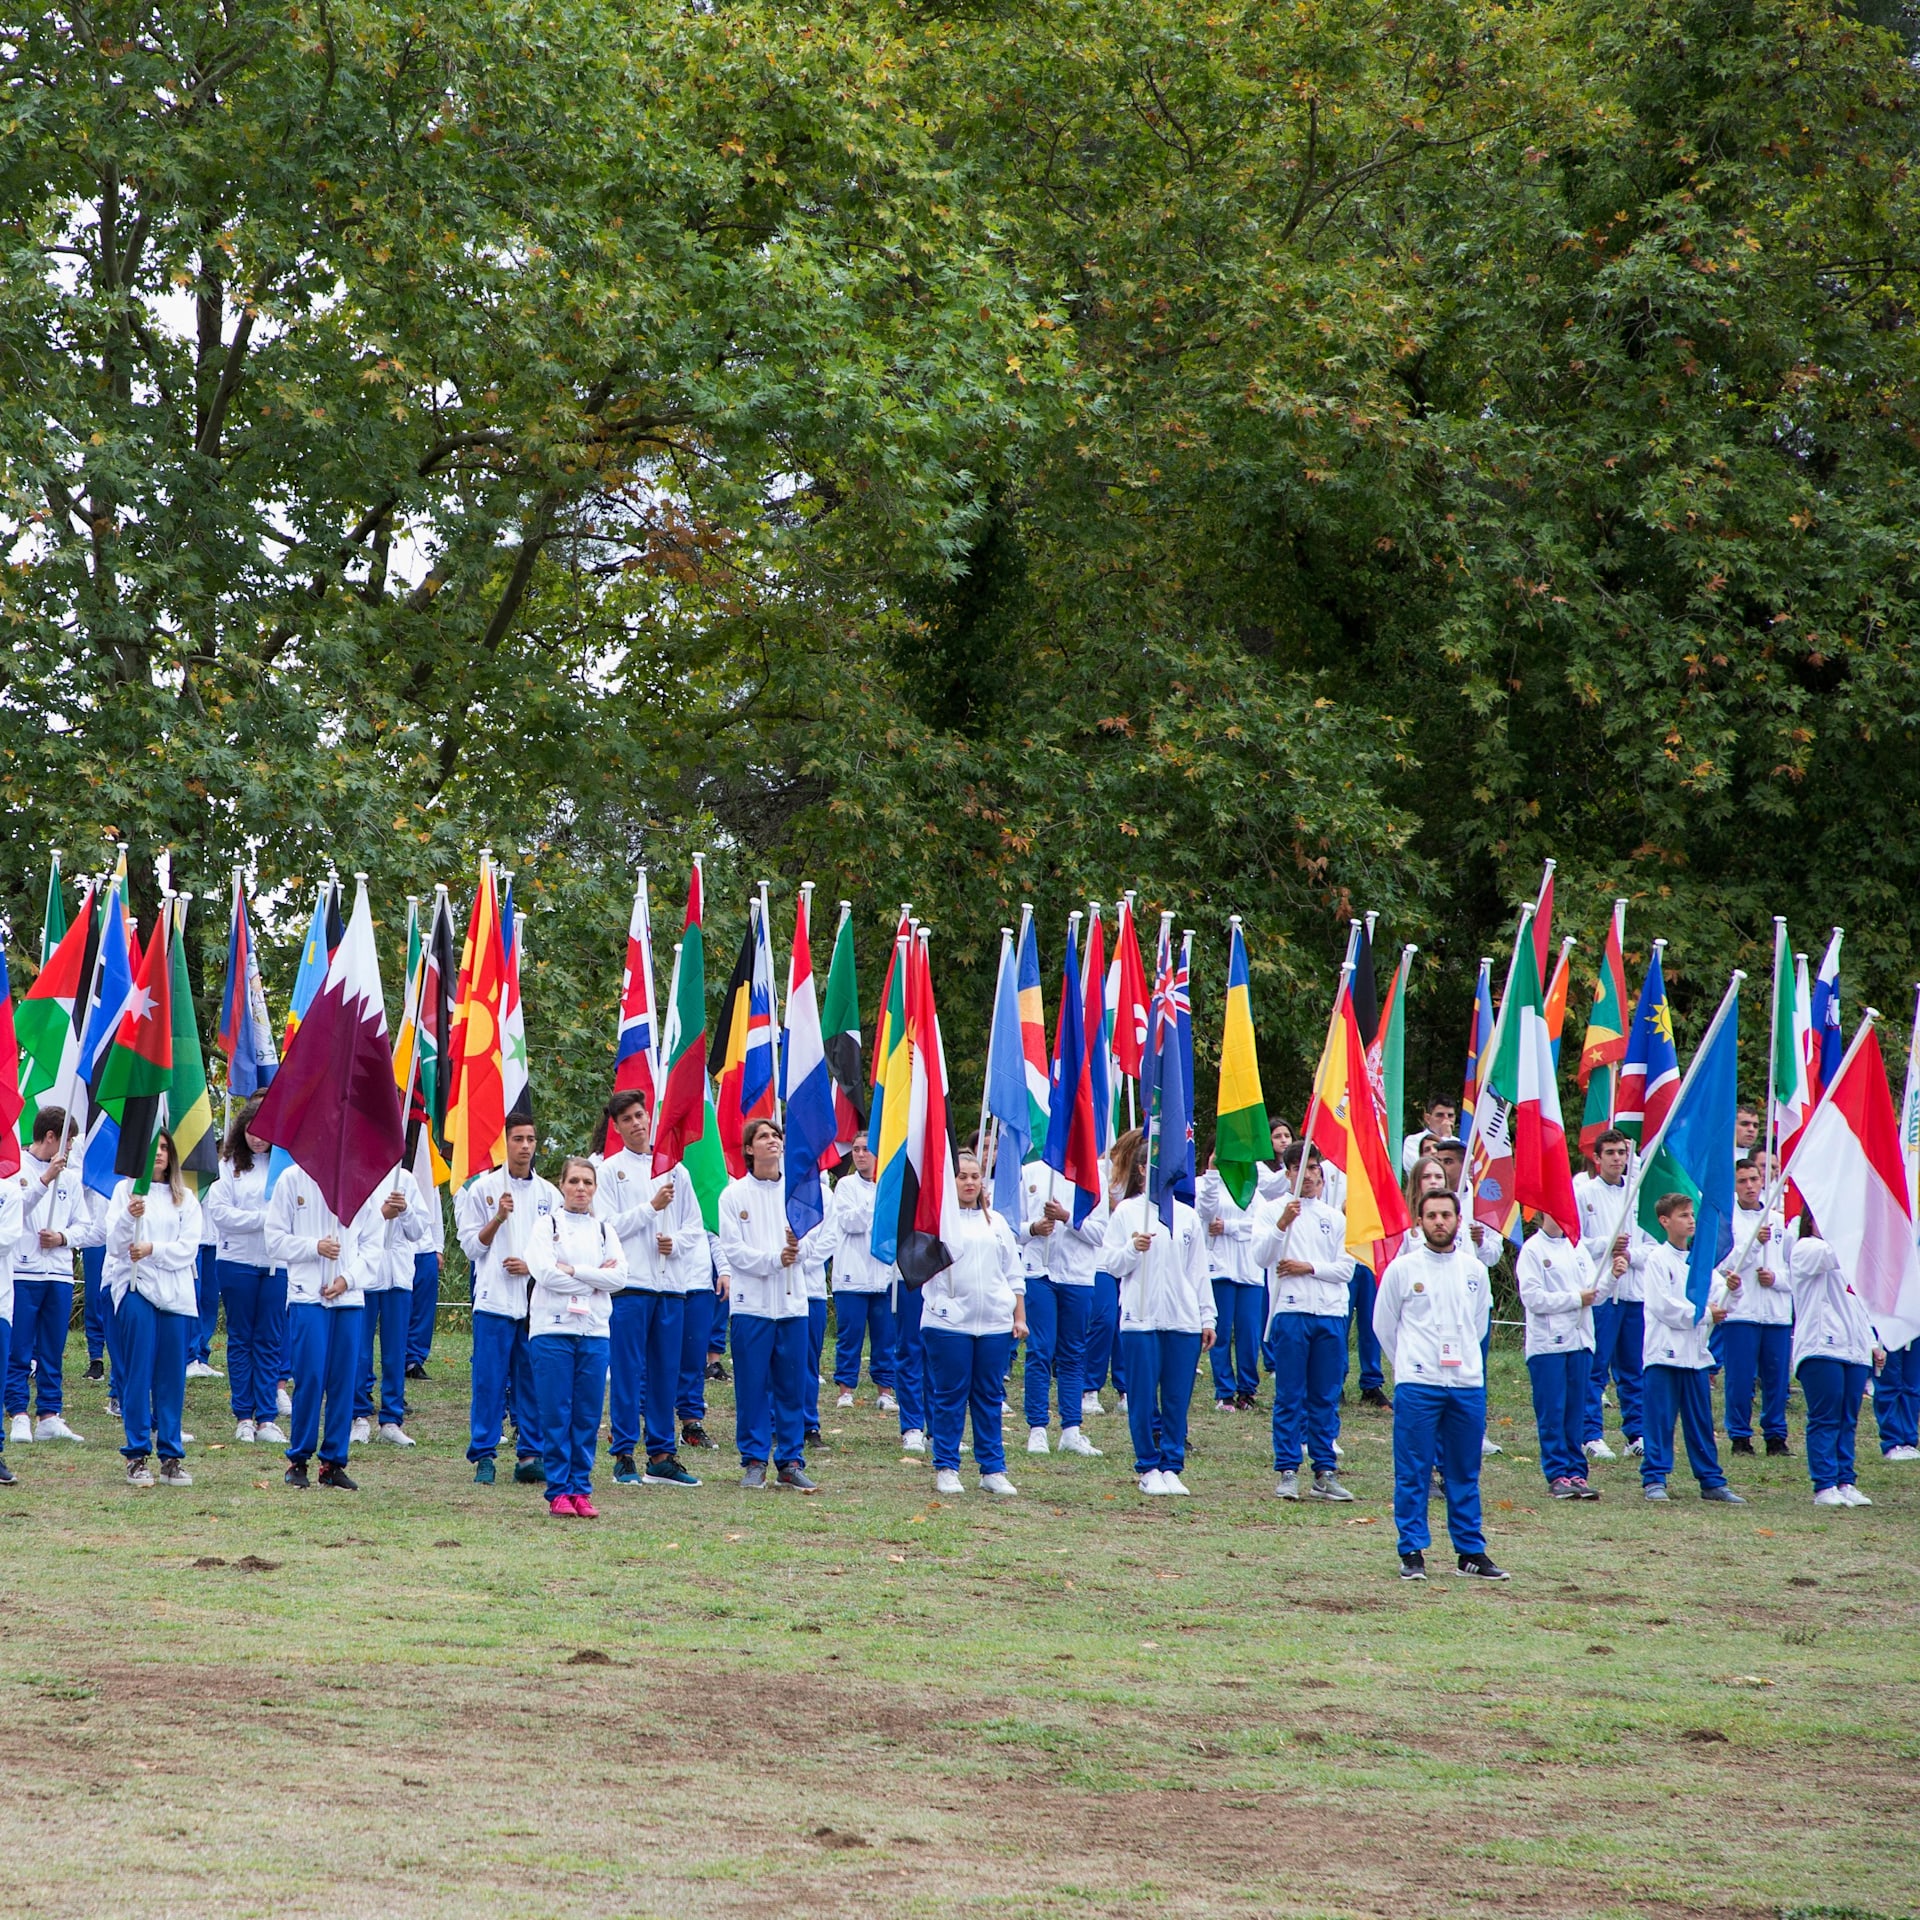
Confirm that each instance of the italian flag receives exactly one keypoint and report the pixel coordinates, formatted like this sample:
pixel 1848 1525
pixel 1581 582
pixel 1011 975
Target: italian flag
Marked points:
pixel 682 1118
pixel 1523 1077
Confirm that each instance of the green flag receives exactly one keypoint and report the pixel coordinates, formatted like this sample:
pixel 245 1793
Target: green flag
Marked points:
pixel 187 1099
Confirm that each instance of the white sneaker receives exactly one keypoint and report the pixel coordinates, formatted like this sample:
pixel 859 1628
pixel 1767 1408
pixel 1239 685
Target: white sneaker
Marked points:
pixel 52 1427
pixel 1123 1403
pixel 1831 1497
pixel 1340 1452
pixel 282 1403
pixel 947 1481
pixel 1901 1453
pixel 1486 1447
pixel 1072 1440
pixel 913 1441
pixel 362 1432
pixel 186 1439
pixel 1287 1487
pixel 394 1434
pixel 245 1433
pixel 270 1435
pixel 997 1483
pixel 1172 1483
pixel 1635 1448
pixel 199 1370
pixel 887 1403
pixel 22 1428
pixel 1154 1482
pixel 1854 1497
pixel 1037 1440
pixel 846 1398
pixel 1090 1407
pixel 1599 1450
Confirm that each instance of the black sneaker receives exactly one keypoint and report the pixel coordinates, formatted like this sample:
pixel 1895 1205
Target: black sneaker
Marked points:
pixel 1777 1449
pixel 332 1475
pixel 529 1472
pixel 1413 1566
pixel 625 1473
pixel 7 1477
pixel 755 1475
pixel 1479 1566
pixel 417 1371
pixel 96 1369
pixel 796 1479
pixel 666 1471
pixel 693 1434
pixel 1374 1397
pixel 1741 1444
pixel 296 1475
pixel 813 1437
pixel 716 1369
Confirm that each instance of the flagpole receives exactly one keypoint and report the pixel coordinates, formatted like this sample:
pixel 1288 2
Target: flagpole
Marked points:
pixel 1773 1043
pixel 993 1030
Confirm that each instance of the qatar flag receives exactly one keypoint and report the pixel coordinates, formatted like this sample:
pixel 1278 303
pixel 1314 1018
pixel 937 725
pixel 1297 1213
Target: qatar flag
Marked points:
pixel 334 1106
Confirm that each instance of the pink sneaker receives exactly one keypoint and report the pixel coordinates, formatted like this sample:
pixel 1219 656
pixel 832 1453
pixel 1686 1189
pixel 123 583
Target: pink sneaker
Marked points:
pixel 584 1508
pixel 561 1506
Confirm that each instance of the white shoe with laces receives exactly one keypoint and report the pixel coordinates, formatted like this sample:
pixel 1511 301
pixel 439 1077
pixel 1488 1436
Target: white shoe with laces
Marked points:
pixel 1037 1440
pixel 282 1402
pixel 1072 1440
pixel 1172 1483
pixel 846 1398
pixel 1599 1450
pixel 1154 1482
pixel 394 1434
pixel 245 1432
pixel 887 1403
pixel 52 1427
pixel 1487 1447
pixel 947 1481
pixel 21 1430
pixel 270 1435
pixel 199 1370
pixel 362 1432
pixel 1090 1407
pixel 997 1483
pixel 1854 1497
pixel 1901 1453
pixel 913 1441
pixel 1831 1497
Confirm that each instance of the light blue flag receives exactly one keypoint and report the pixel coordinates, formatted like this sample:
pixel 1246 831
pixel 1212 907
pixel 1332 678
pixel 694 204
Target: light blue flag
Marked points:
pixel 1007 1088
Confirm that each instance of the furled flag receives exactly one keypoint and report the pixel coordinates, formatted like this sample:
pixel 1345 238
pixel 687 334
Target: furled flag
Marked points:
pixel 11 1103
pixel 333 1105
pixel 1096 1022
pixel 636 1064
pixel 1691 1151
pixel 1164 1092
pixel 760 1077
pixel 916 1211
pixel 1387 1057
pixel 53 918
pixel 1173 981
pixel 727 1059
pixel 890 1065
pixel 136 1070
pixel 112 988
pixel 1006 1089
pixel 58 1040
pixel 476 1091
pixel 47 1025
pixel 245 1035
pixel 840 1024
pixel 1605 1043
pixel 1792 1047
pixel 516 1088
pixel 439 975
pixel 682 1118
pixel 880 1041
pixel 1650 1068
pixel 316 952
pixel 807 1082
pixel 1910 1116
pixel 1129 994
pixel 423 1012
pixel 1829 1043
pixel 189 1105
pixel 1543 928
pixel 1850 1171
pixel 1033 1035
pixel 1524 1081
pixel 1479 1039
pixel 1489 1170
pixel 1344 1123
pixel 1073 1142
pixel 1557 989
pixel 1242 1134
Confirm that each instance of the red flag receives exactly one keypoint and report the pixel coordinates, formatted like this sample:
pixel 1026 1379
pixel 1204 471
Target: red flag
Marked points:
pixel 1130 1007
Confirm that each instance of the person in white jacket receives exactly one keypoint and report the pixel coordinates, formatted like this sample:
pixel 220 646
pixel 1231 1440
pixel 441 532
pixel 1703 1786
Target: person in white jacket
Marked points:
pixel 252 1291
pixel 1239 1291
pixel 11 1208
pixel 663 1245
pixel 153 1255
pixel 322 1256
pixel 398 1230
pixel 863 1287
pixel 1303 1240
pixel 1558 1293
pixel 971 1313
pixel 1756 1338
pixel 496 1217
pixel 1433 1305
pixel 1834 1355
pixel 1676 1363
pixel 578 1268
pixel 56 1220
pixel 766 1286
pixel 1166 1317
pixel 1619 1248
pixel 1058 1261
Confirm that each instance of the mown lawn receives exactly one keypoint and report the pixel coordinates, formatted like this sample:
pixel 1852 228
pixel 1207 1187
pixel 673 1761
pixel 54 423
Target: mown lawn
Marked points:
pixel 430 1699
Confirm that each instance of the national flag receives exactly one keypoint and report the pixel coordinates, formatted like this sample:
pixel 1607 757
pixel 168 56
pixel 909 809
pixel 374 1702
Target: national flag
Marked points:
pixel 1128 1011
pixel 1851 1172
pixel 727 1059
pixel 1073 1143
pixel 1910 1117
pixel 1362 987
pixel 316 952
pixel 434 1015
pixel 920 1202
pixel 686 1114
pixel 1596 1115
pixel 1006 1088
pixel 189 1105
pixel 1346 1126
pixel 47 1026
pixel 1242 1133
pixel 1650 1069
pixel 1543 925
pixel 1557 996
pixel 840 1024
pixel 760 1072
pixel 1691 1153
pixel 1387 1058
pixel 12 1106
pixel 423 1013
pixel 1033 1035
pixel 892 1075
pixel 111 989
pixel 1829 1043
pixel 636 1061
pixel 1605 1044
pixel 136 1070
pixel 245 1034
pixel 1173 981
pixel 1524 1082
pixel 333 1106
pixel 476 1092
pixel 516 1089
pixel 806 1082
pixel 1788 1041
pixel 53 917
pixel 1490 1169
pixel 1097 1024
pixel 880 1041
pixel 1165 1092
pixel 1479 1040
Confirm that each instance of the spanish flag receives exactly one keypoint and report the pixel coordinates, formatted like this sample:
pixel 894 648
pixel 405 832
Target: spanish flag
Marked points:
pixel 1242 1134
pixel 1348 1130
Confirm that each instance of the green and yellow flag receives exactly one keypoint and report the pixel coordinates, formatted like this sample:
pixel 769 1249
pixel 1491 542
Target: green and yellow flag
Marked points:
pixel 1242 1136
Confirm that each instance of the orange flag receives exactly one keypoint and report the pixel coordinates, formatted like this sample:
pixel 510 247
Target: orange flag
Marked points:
pixel 476 1105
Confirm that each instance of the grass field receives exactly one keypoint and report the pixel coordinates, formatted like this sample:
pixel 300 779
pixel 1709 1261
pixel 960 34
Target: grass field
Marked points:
pixel 431 1699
